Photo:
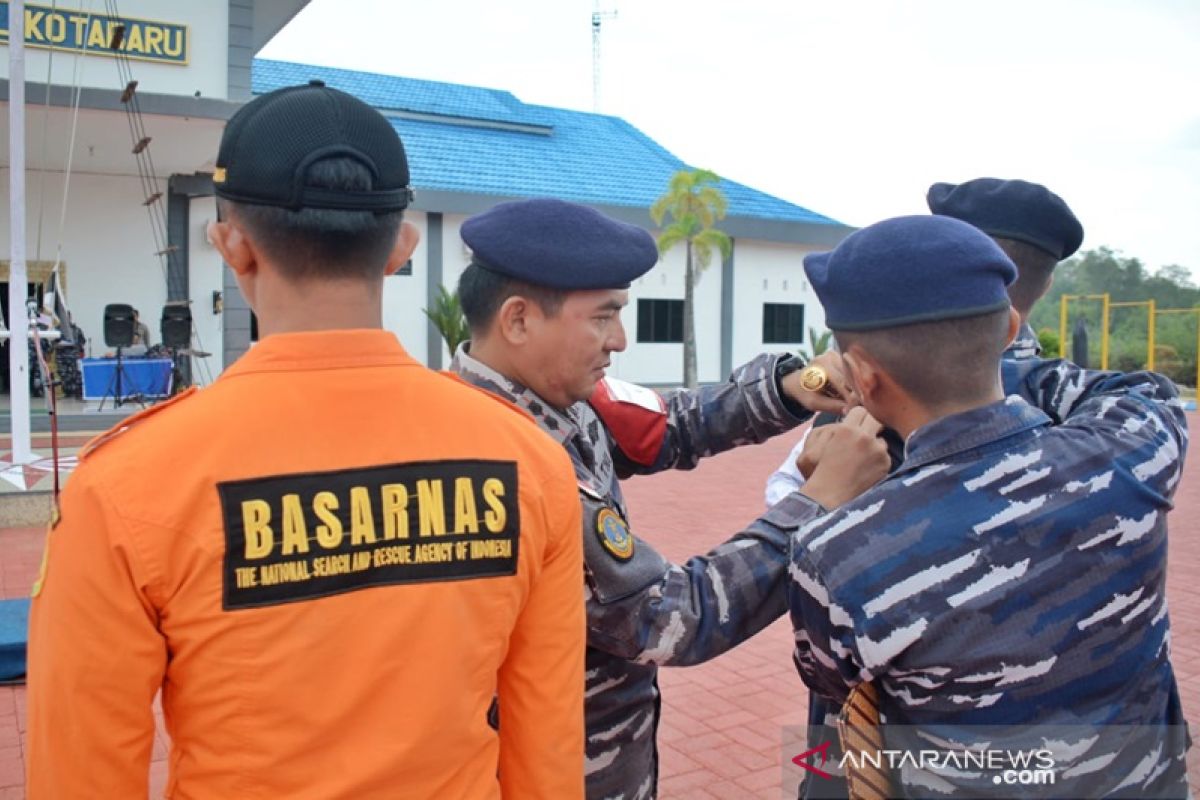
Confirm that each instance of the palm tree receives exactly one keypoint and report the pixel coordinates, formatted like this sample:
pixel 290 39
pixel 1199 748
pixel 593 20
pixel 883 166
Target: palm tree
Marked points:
pixel 447 316
pixel 818 343
pixel 693 206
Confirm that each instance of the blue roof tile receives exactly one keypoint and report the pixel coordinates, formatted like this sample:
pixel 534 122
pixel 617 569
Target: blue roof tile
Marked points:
pixel 574 155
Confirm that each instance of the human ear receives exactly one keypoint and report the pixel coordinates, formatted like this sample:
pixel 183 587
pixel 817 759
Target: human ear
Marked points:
pixel 238 252
pixel 1014 325
pixel 512 320
pixel 863 372
pixel 233 245
pixel 406 243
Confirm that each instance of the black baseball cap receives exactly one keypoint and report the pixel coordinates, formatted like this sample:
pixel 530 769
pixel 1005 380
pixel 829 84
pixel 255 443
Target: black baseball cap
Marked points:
pixel 270 143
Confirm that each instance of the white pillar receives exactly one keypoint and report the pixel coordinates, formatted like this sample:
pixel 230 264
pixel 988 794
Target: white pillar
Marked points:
pixel 18 349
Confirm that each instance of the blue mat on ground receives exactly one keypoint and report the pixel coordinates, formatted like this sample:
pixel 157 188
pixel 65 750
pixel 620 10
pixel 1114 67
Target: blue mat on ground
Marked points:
pixel 14 636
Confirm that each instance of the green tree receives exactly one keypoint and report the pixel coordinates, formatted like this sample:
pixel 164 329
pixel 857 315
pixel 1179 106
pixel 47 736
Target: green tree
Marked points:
pixel 691 206
pixel 1048 340
pixel 447 316
pixel 818 344
pixel 1173 273
pixel 1103 270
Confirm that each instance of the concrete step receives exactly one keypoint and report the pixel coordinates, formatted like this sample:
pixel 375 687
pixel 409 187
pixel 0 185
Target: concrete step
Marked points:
pixel 25 509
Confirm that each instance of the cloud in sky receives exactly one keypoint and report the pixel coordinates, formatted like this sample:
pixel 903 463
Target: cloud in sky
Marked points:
pixel 850 109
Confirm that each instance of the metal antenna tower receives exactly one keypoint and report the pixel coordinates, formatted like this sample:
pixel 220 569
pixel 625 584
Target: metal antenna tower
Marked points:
pixel 598 17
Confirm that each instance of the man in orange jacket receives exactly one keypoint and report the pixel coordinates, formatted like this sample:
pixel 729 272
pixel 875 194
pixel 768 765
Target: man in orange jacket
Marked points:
pixel 342 557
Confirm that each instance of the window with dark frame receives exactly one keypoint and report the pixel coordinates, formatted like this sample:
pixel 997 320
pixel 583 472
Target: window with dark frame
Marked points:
pixel 660 321
pixel 783 323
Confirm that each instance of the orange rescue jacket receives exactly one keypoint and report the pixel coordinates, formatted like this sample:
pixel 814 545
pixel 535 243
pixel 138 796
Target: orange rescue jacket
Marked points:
pixel 329 562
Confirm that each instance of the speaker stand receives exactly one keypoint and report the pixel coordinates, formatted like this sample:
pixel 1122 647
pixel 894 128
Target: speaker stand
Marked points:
pixel 115 391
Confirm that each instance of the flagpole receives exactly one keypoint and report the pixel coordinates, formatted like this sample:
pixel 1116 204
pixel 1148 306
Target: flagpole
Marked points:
pixel 18 349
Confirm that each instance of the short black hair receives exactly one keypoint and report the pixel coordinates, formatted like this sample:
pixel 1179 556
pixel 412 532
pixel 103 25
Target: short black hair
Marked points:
pixel 320 242
pixel 481 292
pixel 947 361
pixel 1035 268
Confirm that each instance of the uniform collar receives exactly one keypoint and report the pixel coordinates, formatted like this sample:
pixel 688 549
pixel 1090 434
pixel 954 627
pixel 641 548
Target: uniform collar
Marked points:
pixel 958 433
pixel 562 426
pixel 336 349
pixel 1026 345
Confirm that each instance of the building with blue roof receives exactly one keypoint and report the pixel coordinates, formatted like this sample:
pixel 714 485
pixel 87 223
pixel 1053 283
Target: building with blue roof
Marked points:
pixel 469 147
pixel 470 140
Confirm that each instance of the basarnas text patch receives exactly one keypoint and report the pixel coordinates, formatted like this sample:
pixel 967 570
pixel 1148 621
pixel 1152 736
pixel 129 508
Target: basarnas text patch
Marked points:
pixel 307 535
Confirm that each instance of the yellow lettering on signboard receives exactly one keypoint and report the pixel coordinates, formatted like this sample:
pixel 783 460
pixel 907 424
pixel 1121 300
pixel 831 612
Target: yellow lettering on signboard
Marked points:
pixel 96 35
pixel 73 30
pixel 174 43
pixel 133 39
pixel 56 28
pixel 154 37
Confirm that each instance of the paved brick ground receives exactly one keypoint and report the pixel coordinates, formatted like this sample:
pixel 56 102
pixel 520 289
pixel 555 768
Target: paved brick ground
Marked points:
pixel 722 732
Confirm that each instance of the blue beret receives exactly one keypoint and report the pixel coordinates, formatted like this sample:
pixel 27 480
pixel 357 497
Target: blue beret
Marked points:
pixel 907 270
pixel 1027 212
pixel 560 245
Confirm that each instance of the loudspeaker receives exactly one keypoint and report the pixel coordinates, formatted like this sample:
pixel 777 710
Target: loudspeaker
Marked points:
pixel 118 325
pixel 177 325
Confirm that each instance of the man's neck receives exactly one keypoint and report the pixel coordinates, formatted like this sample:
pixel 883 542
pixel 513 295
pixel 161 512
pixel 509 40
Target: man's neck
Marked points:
pixel 294 307
pixel 910 415
pixel 497 359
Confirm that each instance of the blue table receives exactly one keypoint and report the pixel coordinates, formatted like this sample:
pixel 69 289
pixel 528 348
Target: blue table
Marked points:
pixel 14 638
pixel 148 377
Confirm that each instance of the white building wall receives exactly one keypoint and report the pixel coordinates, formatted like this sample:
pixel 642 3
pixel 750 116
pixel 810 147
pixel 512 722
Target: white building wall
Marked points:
pixel 108 246
pixel 404 295
pixel 769 272
pixel 205 276
pixel 455 256
pixel 454 260
pixel 662 363
pixel 206 71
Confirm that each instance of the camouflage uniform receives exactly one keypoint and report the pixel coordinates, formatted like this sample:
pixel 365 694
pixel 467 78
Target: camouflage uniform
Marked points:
pixel 645 611
pixel 1031 594
pixel 822 715
pixel 1026 345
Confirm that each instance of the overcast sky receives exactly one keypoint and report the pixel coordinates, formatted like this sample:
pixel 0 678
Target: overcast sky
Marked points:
pixel 850 109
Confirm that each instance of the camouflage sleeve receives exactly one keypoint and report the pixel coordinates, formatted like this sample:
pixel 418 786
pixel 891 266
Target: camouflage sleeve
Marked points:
pixel 646 609
pixel 826 648
pixel 1061 388
pixel 746 409
pixel 1136 407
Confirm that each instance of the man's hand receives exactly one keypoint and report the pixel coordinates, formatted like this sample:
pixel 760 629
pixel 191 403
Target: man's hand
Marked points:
pixel 842 461
pixel 840 395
